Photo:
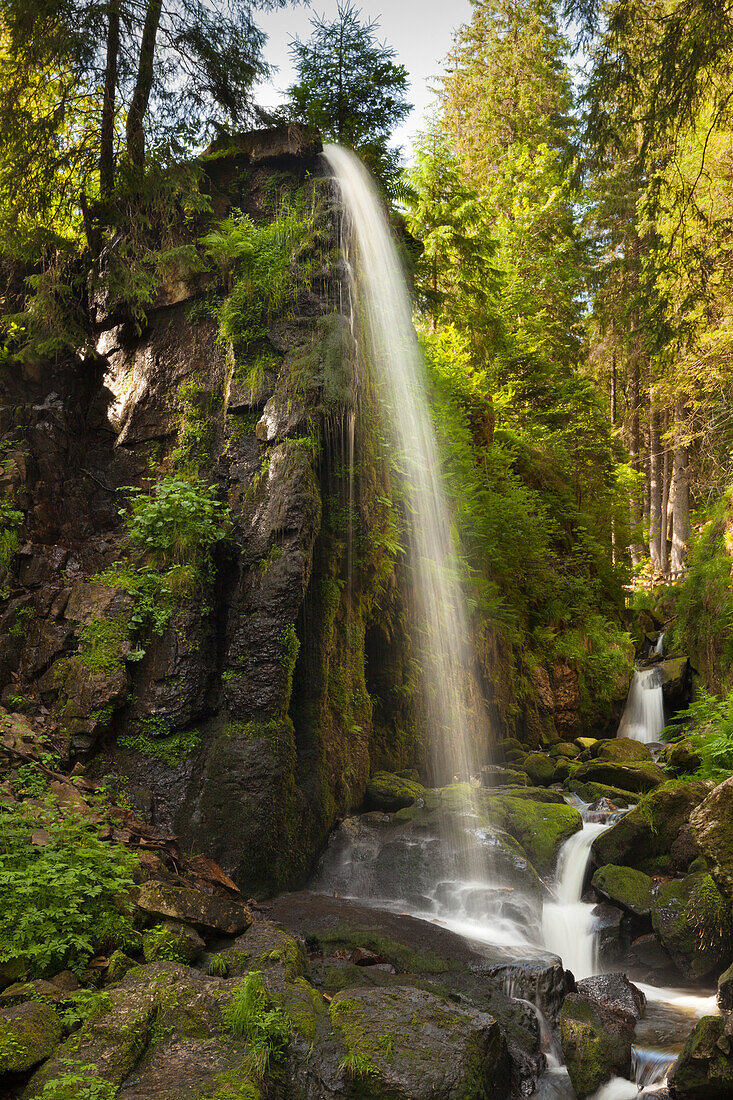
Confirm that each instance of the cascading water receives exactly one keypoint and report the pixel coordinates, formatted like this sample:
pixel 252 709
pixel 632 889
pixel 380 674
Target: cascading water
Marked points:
pixel 567 923
pixel 643 717
pixel 457 723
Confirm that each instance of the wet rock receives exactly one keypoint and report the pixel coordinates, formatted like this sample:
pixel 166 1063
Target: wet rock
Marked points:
pixel 693 921
pixel 494 776
pixel 704 1069
pixel 539 827
pixel 174 941
pixel 676 681
pixel 615 992
pixel 540 768
pixel 389 792
pixel 190 906
pixel 263 946
pixel 620 749
pixel 607 926
pixel 712 827
pixel 596 1043
pixel 682 758
pixel 725 990
pixel 630 776
pixel 562 770
pixel 632 890
pixel 29 1032
pixel 536 794
pixel 591 792
pixel 649 830
pixel 649 953
pixel 411 1045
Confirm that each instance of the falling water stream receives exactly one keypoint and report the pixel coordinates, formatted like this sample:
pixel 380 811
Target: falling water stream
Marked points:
pixel 455 879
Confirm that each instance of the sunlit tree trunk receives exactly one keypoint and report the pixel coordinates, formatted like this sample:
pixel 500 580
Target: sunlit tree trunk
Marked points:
pixel 666 475
pixel 107 127
pixel 655 481
pixel 143 85
pixel 681 509
pixel 635 515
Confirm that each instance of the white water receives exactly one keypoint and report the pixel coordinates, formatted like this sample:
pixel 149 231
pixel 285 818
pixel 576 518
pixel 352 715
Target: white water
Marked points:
pixel 457 722
pixel 643 717
pixel 567 924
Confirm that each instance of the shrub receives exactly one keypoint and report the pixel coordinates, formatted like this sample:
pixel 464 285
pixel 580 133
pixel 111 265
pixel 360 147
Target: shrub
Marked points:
pixel 60 883
pixel 179 521
pixel 708 722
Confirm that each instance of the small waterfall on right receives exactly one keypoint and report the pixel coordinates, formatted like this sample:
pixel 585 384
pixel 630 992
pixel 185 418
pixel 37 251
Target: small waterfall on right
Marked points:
pixel 567 923
pixel 643 717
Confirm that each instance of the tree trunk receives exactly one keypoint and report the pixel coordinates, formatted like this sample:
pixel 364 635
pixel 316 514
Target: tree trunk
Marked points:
pixel 637 547
pixel 143 85
pixel 666 473
pixel 107 127
pixel 655 481
pixel 681 510
pixel 614 535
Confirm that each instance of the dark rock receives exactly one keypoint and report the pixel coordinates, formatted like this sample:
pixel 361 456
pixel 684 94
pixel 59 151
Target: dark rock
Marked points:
pixel 704 1069
pixel 649 830
pixel 648 952
pixel 190 906
pixel 712 828
pixel 565 748
pixel 596 1043
pixel 607 925
pixel 263 946
pixel 615 992
pixel 65 980
pixel 591 792
pixel 29 1032
pixel 632 890
pixel 682 758
pixel 725 990
pixel 541 828
pixel 693 921
pixel 119 965
pixel 494 776
pixel 631 776
pixel 676 681
pixel 174 941
pixel 388 792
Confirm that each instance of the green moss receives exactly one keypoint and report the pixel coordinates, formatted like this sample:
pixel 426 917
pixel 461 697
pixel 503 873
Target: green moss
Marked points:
pixel 164 943
pixel 631 889
pixel 405 959
pixel 156 741
pixel 389 792
pixel 102 642
pixel 540 828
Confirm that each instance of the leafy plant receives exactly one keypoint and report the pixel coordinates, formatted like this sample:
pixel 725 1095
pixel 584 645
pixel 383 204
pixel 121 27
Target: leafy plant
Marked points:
pixel 250 1015
pixel 708 722
pixel 177 522
pixel 61 885
pixel 80 1084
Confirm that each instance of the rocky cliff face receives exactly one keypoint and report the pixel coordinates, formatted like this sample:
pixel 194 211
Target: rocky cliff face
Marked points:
pixel 245 719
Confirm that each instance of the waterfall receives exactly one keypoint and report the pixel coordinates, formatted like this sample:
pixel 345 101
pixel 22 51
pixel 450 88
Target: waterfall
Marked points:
pixel 457 725
pixel 643 717
pixel 567 923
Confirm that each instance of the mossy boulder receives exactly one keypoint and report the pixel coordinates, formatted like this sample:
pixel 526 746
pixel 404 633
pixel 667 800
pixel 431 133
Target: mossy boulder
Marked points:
pixel 704 1069
pixel 682 758
pixel 563 767
pixel 388 792
pixel 596 1043
pixel 592 792
pixel 676 680
pixel 410 1044
pixel 492 775
pixel 119 965
pixel 584 743
pixel 693 921
pixel 191 906
pixel 29 1032
pixel 632 890
pixel 712 827
pixel 265 945
pixel 725 990
pixel 629 776
pixel 540 828
pixel 651 828
pixel 174 941
pixel 540 768
pixel 620 750
pixel 564 748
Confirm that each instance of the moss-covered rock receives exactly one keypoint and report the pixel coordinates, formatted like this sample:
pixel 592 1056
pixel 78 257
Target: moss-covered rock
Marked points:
pixel 681 757
pixel 712 827
pixel 704 1069
pixel 409 1044
pixel 494 776
pixel 29 1032
pixel 173 941
pixel 389 792
pixel 651 828
pixel 632 890
pixel 592 792
pixel 725 990
pixel 693 921
pixel 584 743
pixel 540 827
pixel 629 776
pixel 620 750
pixel 564 748
pixel 596 1043
pixel 563 768
pixel 265 945
pixel 191 906
pixel 540 768
pixel 119 965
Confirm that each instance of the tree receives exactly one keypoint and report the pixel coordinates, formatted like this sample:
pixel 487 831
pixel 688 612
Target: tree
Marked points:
pixel 350 89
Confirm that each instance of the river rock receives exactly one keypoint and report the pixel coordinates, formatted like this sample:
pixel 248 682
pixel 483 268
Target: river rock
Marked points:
pixel 649 953
pixel 615 992
pixel 410 1044
pixel 704 1069
pixel 620 750
pixel 29 1032
pixel 540 768
pixel 592 792
pixel 564 748
pixel 172 940
pixel 494 776
pixel 632 890
pixel 263 946
pixel 389 792
pixel 596 1043
pixel 540 828
pixel 629 776
pixel 676 681
pixel 649 830
pixel 607 924
pixel 725 990
pixel 693 921
pixel 191 906
pixel 712 827
pixel 682 758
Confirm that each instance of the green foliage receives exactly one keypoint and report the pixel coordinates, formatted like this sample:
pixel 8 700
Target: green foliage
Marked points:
pixel 708 722
pixel 10 521
pixel 258 263
pixel 218 966
pixel 79 1084
pixel 178 522
pixel 156 740
pixel 101 642
pixel 250 1015
pixel 62 891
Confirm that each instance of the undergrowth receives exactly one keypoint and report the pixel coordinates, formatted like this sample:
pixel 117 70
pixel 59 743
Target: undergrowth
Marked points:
pixel 252 1016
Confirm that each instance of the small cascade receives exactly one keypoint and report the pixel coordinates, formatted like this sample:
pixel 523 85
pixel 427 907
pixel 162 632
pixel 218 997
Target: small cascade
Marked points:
pixel 548 1043
pixel 567 923
pixel 658 650
pixel 650 1066
pixel 643 717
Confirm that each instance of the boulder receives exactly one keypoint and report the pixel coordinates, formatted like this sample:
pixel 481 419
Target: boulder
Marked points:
pixel 682 757
pixel 693 921
pixel 649 830
pixel 389 792
pixel 607 926
pixel 676 681
pixel 540 828
pixel 540 768
pixel 712 828
pixel 29 1032
pixel 616 993
pixel 263 946
pixel 565 748
pixel 629 776
pixel 725 990
pixel 632 890
pixel 592 792
pixel 191 906
pixel 563 767
pixel 584 743
pixel 704 1069
pixel 648 952
pixel 494 776
pixel 620 750
pixel 596 1043
pixel 174 941
pixel 410 1044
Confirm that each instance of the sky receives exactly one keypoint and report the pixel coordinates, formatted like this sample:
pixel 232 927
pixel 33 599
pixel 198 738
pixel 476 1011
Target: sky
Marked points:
pixel 420 31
